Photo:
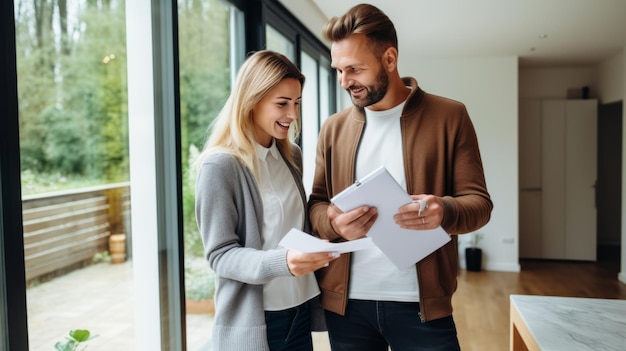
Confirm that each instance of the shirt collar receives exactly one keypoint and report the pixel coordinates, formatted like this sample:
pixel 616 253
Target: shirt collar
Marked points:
pixel 263 152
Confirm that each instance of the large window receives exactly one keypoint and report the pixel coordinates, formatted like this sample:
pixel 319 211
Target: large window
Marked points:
pixel 111 113
pixel 310 117
pixel 211 47
pixel 73 127
pixel 208 41
pixel 318 104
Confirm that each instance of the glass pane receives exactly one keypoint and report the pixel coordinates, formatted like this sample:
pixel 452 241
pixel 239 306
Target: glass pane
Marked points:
pixel 310 117
pixel 71 60
pixel 279 43
pixel 210 40
pixel 326 79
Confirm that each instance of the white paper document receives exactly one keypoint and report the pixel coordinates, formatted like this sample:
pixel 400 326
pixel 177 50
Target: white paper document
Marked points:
pixel 404 247
pixel 303 242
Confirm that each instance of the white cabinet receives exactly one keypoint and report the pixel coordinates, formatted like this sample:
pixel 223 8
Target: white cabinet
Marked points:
pixel 558 158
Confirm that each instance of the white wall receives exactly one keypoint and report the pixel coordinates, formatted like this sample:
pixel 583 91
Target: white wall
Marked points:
pixel 553 83
pixel 611 79
pixel 489 88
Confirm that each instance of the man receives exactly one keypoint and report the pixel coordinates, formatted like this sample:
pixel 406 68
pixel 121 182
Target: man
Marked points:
pixel 429 145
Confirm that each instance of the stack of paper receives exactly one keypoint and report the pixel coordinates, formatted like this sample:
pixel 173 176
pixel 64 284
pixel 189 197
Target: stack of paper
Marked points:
pixel 404 247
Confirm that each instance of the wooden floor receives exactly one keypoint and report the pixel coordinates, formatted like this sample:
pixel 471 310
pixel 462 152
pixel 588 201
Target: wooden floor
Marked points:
pixel 481 303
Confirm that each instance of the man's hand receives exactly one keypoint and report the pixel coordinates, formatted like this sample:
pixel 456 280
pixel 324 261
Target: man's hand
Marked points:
pixel 425 212
pixel 353 224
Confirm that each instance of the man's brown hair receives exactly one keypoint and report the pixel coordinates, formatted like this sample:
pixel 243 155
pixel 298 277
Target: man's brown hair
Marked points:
pixel 363 19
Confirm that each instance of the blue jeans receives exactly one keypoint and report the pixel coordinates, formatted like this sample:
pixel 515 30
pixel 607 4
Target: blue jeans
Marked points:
pixel 376 325
pixel 290 329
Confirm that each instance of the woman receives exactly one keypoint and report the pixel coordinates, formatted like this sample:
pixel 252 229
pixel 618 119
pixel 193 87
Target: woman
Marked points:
pixel 249 194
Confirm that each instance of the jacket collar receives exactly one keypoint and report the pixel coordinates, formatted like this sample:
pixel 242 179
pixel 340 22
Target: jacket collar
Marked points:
pixel 416 96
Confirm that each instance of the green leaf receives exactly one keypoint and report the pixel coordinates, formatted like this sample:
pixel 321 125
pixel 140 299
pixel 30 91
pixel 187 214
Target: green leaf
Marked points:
pixel 80 335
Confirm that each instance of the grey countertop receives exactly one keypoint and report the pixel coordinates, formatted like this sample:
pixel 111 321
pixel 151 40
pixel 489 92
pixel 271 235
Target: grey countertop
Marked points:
pixel 572 323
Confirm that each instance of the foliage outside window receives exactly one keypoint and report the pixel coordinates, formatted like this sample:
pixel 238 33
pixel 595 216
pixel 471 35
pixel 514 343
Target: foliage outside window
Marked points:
pixel 73 117
pixel 204 42
pixel 72 91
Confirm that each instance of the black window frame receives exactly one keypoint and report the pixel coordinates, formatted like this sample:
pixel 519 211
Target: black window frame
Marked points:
pixel 13 314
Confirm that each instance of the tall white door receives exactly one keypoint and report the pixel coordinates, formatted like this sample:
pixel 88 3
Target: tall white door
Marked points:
pixel 553 124
pixel 558 143
pixel 581 175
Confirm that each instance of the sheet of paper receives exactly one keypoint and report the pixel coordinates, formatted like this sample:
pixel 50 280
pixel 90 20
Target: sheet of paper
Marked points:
pixel 303 242
pixel 404 247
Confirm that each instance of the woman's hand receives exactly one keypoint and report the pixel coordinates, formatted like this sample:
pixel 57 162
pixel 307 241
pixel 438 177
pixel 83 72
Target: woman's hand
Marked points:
pixel 301 263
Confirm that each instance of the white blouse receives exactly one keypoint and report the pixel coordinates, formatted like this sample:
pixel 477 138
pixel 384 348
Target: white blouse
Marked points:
pixel 282 210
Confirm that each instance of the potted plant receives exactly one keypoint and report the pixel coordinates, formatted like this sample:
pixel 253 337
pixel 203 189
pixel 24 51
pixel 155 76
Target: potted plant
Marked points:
pixel 474 254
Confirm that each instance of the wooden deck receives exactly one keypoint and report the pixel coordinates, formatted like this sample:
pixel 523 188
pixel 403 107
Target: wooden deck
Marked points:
pixel 64 230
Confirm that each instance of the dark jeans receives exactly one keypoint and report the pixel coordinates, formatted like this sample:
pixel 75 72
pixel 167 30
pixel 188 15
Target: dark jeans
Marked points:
pixel 290 329
pixel 376 325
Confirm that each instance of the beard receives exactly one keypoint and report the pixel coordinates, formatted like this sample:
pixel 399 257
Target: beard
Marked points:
pixel 374 93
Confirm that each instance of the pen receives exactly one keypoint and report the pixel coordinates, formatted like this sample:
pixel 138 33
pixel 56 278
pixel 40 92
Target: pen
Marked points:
pixel 422 206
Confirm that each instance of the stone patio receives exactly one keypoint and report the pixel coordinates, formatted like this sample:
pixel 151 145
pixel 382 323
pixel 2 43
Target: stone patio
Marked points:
pixel 100 298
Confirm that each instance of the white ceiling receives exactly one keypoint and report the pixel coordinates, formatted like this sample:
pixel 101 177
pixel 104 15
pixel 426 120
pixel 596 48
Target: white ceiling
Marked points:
pixel 578 32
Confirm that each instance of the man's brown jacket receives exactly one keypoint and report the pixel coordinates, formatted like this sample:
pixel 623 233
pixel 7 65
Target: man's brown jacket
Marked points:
pixel 441 157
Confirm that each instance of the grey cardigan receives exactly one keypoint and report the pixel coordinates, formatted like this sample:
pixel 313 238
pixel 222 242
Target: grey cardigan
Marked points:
pixel 229 213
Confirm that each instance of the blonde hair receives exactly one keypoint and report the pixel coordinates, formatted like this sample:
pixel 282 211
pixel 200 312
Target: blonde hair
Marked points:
pixel 233 129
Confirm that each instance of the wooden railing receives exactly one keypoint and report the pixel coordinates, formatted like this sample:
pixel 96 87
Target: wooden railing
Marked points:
pixel 64 230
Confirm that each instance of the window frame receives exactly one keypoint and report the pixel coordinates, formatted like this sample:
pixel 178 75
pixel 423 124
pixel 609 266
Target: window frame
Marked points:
pixel 13 314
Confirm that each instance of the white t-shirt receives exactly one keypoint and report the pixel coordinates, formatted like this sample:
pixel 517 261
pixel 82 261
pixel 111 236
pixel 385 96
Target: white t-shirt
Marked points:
pixel 373 276
pixel 282 210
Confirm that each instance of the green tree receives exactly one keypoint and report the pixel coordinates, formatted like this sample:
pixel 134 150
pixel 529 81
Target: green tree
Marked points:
pixel 72 88
pixel 35 64
pixel 204 66
pixel 97 70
